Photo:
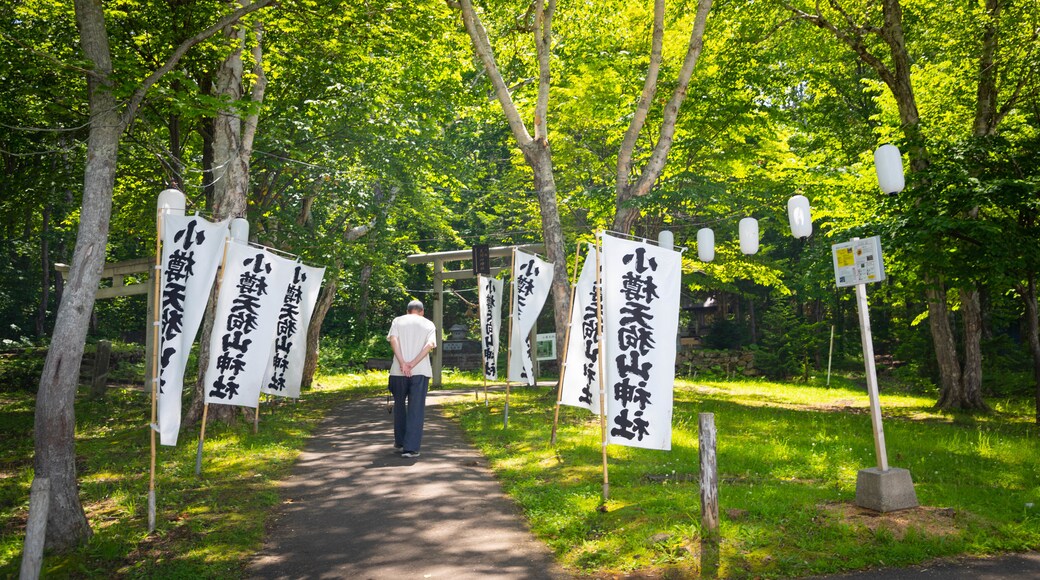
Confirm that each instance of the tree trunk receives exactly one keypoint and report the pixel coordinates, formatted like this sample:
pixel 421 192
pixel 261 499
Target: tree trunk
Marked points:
pixel 55 427
pixel 971 374
pixel 945 348
pixel 325 299
pixel 1028 293
pixel 539 158
pixel 232 148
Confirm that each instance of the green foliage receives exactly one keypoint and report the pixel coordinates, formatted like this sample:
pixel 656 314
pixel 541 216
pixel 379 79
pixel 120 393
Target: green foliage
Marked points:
pixel 790 342
pixel 725 334
pixel 20 370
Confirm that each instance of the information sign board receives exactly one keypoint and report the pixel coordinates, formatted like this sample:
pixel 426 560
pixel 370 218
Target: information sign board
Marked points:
pixel 858 262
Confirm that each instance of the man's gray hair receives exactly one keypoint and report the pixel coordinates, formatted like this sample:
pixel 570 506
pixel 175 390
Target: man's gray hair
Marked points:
pixel 415 305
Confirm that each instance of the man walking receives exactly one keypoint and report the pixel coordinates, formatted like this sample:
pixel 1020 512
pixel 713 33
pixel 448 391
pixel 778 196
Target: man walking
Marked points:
pixel 412 337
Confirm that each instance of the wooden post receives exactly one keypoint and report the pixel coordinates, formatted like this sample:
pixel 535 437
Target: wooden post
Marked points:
pixel 566 344
pixel 438 321
pixel 36 528
pixel 509 335
pixel 100 378
pixel 256 417
pixel 872 385
pixel 602 373
pixel 709 476
pixel 830 356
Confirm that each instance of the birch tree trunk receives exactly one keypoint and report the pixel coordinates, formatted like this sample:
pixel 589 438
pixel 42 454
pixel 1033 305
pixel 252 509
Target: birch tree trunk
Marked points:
pixel 232 148
pixel 626 213
pixel 536 150
pixel 55 420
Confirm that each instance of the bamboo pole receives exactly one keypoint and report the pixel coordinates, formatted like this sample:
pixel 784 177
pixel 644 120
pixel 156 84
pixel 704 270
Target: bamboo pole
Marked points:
pixel 509 344
pixel 205 406
pixel 483 362
pixel 156 301
pixel 256 416
pixel 602 373
pixel 566 347
pixel 202 437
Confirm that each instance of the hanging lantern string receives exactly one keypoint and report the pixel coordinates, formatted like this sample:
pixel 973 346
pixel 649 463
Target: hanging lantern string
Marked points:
pixel 680 249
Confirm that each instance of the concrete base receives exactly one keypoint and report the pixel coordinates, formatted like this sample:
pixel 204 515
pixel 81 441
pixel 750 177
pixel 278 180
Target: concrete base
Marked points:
pixel 885 491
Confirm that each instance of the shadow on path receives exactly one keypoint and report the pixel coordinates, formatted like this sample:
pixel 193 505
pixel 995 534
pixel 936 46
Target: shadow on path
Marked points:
pixel 354 509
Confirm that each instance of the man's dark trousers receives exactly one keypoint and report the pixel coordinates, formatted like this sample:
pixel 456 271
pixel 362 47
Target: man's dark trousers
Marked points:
pixel 408 418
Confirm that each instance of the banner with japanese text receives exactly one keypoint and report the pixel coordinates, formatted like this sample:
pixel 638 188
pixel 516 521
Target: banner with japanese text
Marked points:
pixel 532 279
pixel 489 300
pixel 284 373
pixel 191 251
pixel 641 285
pixel 581 371
pixel 252 291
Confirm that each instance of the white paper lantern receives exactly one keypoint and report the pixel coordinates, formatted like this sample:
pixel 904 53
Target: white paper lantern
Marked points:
pixel 240 230
pixel 889 165
pixel 705 244
pixel 799 215
pixel 749 236
pixel 666 240
pixel 170 201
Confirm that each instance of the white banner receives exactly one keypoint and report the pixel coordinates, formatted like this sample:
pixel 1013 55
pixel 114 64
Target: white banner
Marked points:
pixel 532 279
pixel 191 250
pixel 489 299
pixel 581 371
pixel 251 294
pixel 641 285
pixel 285 368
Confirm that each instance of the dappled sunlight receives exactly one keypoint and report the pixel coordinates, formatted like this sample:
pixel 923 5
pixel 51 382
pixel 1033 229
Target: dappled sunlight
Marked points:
pixel 783 452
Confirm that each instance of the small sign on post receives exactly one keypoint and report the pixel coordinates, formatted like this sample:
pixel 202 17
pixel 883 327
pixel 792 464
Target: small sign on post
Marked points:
pixel 545 346
pixel 481 260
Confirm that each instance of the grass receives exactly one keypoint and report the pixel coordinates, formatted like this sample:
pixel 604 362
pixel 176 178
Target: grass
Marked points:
pixel 206 526
pixel 788 456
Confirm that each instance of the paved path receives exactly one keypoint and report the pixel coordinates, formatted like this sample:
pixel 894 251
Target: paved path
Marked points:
pixel 1011 566
pixel 354 509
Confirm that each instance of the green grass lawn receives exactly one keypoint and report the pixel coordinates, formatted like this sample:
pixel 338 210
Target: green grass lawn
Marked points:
pixel 787 458
pixel 206 527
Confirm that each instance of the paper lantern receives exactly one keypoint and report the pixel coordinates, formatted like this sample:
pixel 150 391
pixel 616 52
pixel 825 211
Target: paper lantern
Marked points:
pixel 705 244
pixel 666 240
pixel 749 236
pixel 889 165
pixel 240 230
pixel 170 201
pixel 800 217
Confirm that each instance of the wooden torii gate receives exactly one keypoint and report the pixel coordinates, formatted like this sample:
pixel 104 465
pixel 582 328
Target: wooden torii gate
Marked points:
pixel 439 259
pixel 118 272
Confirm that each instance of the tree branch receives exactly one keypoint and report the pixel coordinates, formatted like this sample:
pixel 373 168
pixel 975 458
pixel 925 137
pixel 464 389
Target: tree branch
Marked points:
pixel 257 92
pixel 543 44
pixel 628 144
pixel 658 158
pixel 481 45
pixel 180 51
